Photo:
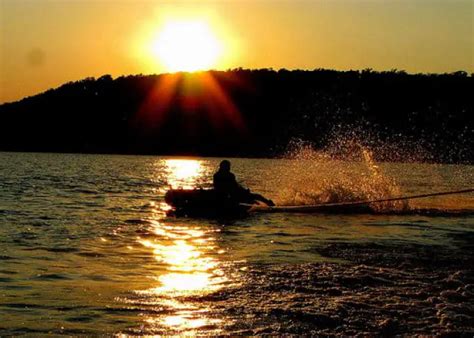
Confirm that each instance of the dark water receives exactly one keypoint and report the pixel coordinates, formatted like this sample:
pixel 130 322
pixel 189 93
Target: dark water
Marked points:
pixel 86 248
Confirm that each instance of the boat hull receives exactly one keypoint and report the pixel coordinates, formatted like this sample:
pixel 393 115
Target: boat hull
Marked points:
pixel 203 203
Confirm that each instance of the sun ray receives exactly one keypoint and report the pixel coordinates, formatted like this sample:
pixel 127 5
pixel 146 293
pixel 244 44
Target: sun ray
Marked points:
pixel 219 103
pixel 191 93
pixel 154 109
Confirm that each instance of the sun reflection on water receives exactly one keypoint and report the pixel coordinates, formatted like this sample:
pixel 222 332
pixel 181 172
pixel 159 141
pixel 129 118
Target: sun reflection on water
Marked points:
pixel 190 270
pixel 189 264
pixel 184 173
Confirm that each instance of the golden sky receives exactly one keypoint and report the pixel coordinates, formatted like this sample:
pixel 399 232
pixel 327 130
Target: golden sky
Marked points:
pixel 44 43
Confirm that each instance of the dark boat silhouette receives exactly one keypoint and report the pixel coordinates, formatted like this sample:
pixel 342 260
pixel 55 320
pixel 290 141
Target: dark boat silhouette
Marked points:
pixel 205 203
pixel 208 203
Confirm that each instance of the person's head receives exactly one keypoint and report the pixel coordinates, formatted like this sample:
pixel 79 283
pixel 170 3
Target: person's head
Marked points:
pixel 224 165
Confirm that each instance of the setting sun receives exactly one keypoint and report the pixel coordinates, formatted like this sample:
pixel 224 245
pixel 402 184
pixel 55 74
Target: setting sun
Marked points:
pixel 187 46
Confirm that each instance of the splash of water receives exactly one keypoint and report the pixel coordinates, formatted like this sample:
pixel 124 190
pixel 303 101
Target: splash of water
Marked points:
pixel 347 172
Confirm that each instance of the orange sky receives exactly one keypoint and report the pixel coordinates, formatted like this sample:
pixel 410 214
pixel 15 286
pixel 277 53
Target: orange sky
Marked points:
pixel 44 43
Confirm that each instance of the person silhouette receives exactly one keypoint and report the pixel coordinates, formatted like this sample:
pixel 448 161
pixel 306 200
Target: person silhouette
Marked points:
pixel 226 186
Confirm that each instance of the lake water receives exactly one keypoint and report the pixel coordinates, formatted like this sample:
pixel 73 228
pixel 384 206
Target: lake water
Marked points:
pixel 86 248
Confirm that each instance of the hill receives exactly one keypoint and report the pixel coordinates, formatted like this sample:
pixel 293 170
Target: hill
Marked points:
pixel 249 113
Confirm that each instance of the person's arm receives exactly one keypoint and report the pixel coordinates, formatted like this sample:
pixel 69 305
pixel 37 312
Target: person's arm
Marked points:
pixel 236 184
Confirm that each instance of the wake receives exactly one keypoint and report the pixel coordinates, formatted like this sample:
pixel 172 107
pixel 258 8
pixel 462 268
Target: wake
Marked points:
pixel 347 179
pixel 369 206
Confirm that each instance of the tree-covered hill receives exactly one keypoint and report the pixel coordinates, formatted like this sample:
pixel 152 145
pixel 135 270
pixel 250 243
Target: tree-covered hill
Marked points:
pixel 247 113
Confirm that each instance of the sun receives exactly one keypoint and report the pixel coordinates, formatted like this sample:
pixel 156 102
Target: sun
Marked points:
pixel 187 46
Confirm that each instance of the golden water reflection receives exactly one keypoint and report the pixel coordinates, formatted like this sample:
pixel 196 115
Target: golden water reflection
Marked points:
pixel 187 255
pixel 184 173
pixel 190 268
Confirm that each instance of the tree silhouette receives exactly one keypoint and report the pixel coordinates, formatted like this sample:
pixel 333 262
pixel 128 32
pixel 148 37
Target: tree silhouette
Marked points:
pixel 245 113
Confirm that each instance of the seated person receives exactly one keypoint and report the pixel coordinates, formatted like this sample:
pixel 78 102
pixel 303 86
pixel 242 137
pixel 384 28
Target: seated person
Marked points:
pixel 226 185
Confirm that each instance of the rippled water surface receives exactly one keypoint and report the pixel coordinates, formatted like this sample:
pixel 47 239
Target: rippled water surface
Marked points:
pixel 86 247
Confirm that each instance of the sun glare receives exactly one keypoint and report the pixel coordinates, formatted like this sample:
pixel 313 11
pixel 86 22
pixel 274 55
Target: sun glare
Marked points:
pixel 187 46
pixel 184 173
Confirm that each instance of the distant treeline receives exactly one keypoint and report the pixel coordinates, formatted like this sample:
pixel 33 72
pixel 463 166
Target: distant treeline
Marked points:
pixel 247 113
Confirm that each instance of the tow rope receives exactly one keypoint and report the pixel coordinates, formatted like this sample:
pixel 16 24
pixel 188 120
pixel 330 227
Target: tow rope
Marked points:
pixel 356 203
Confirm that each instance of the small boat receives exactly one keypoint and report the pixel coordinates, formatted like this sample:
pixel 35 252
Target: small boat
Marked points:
pixel 208 203
pixel 205 203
